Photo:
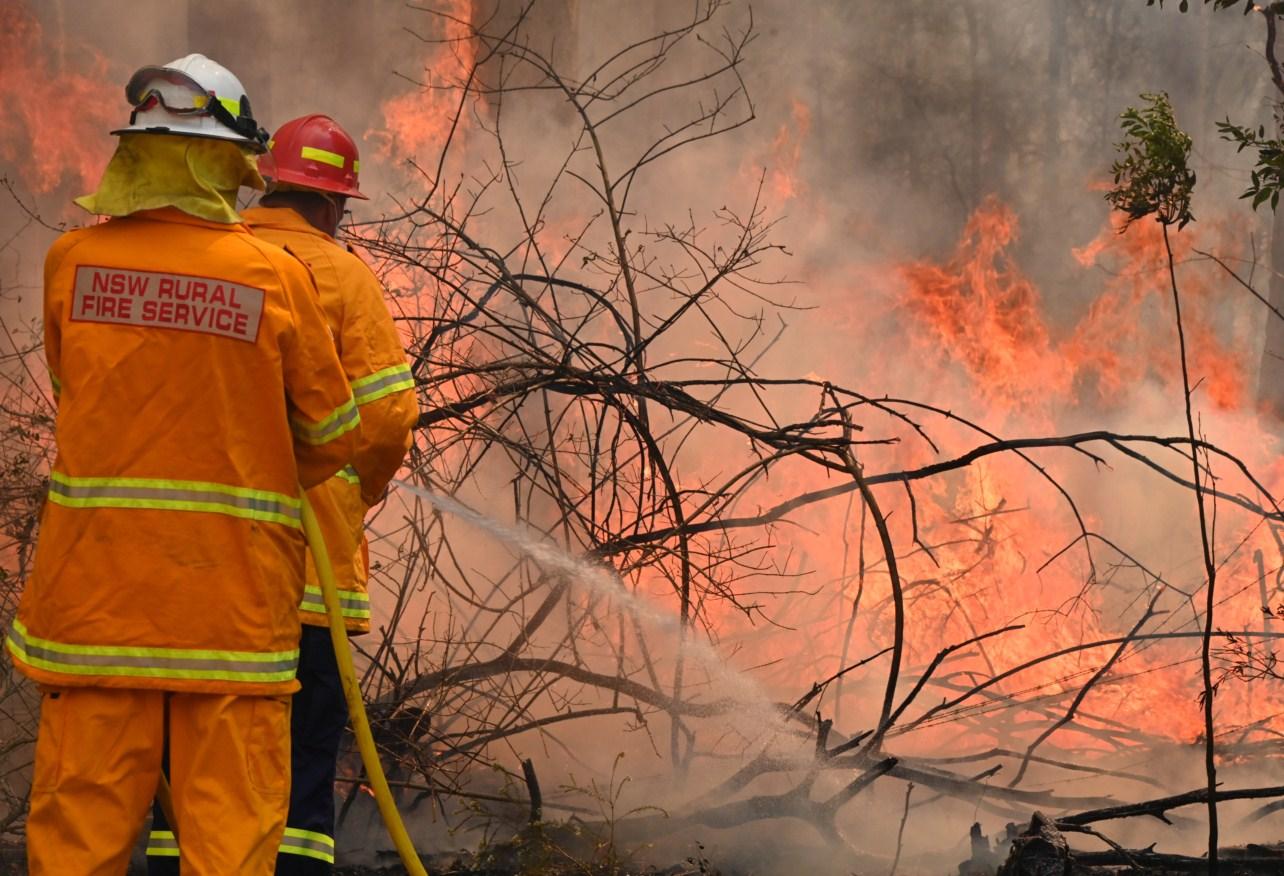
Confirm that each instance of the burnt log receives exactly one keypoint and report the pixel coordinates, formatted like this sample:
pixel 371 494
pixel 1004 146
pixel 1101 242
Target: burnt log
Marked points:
pixel 1040 850
pixel 985 860
pixel 1159 808
pixel 1253 861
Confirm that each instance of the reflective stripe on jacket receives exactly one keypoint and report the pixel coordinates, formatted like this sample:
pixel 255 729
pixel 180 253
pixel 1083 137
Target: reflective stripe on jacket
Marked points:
pixel 374 361
pixel 197 387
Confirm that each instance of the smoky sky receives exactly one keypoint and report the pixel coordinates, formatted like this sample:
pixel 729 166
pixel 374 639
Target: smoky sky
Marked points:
pixel 895 121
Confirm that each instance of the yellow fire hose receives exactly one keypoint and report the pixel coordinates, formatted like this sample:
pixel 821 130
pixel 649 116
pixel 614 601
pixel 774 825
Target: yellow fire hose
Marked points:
pixel 352 691
pixel 356 706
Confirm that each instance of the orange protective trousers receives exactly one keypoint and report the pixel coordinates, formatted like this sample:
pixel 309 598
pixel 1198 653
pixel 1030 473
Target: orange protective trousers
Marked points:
pixel 98 762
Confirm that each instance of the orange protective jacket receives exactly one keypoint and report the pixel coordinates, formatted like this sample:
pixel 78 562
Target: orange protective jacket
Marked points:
pixel 375 363
pixel 197 388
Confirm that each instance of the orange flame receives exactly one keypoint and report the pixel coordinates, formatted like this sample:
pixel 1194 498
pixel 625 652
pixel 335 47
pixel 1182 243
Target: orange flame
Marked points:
pixel 983 312
pixel 982 321
pixel 980 312
pixel 1130 331
pixel 419 122
pixel 58 117
pixel 786 153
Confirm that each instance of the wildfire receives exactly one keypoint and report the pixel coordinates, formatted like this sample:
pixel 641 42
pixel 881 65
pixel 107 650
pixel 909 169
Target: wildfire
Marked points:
pixel 785 154
pixel 1129 332
pixel 418 122
pixel 980 312
pixel 983 315
pixel 58 111
pixel 973 334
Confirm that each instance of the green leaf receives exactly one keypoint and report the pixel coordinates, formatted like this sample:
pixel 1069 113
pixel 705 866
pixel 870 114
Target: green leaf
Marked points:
pixel 1153 175
pixel 1267 176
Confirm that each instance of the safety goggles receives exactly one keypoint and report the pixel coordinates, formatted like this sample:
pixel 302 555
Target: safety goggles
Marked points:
pixel 182 95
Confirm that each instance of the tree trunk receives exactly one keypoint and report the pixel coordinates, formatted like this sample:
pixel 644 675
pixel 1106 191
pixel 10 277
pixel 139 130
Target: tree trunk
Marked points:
pixel 1270 386
pixel 1054 103
pixel 1270 382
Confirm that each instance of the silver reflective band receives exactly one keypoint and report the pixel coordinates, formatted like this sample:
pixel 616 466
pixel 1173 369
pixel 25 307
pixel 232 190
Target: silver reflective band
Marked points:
pixel 310 844
pixel 352 603
pixel 171 495
pixel 381 383
pixel 307 843
pixel 243 666
pixel 162 844
pixel 342 419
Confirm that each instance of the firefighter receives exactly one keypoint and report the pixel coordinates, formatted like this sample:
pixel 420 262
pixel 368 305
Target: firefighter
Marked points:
pixel 312 170
pixel 198 387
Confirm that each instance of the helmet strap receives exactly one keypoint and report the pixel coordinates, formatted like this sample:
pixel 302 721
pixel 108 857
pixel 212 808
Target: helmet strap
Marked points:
pixel 243 124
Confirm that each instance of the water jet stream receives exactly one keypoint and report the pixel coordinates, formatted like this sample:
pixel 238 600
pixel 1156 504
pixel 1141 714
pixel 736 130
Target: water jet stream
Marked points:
pixel 601 579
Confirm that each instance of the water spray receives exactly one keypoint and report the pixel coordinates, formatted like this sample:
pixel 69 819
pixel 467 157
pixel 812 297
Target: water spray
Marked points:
pixel 603 580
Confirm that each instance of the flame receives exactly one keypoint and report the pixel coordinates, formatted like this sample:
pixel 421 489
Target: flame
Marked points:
pixel 1130 332
pixel 982 312
pixel 980 340
pixel 785 154
pixel 59 112
pixel 981 315
pixel 419 122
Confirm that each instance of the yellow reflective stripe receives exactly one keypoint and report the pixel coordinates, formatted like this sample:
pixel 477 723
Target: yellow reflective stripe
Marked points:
pixel 341 420
pixel 162 844
pixel 307 843
pixel 199 101
pixel 319 838
pixel 349 474
pixel 174 495
pixel 352 603
pixel 55 383
pixel 333 159
pixel 376 386
pixel 356 165
pixel 381 375
pixel 137 662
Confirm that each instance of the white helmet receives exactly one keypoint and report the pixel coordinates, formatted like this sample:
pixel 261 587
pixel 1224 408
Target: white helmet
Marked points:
pixel 193 97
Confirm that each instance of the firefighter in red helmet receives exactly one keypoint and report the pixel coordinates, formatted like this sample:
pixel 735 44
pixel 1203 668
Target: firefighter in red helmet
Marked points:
pixel 312 168
pixel 314 154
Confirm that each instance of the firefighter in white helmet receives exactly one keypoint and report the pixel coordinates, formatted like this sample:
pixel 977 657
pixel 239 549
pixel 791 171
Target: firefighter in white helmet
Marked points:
pixel 198 386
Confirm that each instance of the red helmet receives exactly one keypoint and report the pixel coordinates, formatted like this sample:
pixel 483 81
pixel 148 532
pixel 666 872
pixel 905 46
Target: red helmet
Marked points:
pixel 313 152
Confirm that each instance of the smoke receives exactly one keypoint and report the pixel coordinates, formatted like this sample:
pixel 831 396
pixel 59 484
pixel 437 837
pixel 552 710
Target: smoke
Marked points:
pixel 934 171
pixel 745 694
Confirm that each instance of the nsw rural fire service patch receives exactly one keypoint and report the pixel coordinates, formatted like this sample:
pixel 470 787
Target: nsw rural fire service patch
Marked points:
pixel 174 301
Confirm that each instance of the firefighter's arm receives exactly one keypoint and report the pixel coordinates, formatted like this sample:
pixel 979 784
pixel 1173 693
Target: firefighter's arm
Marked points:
pixel 54 304
pixel 382 385
pixel 323 415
